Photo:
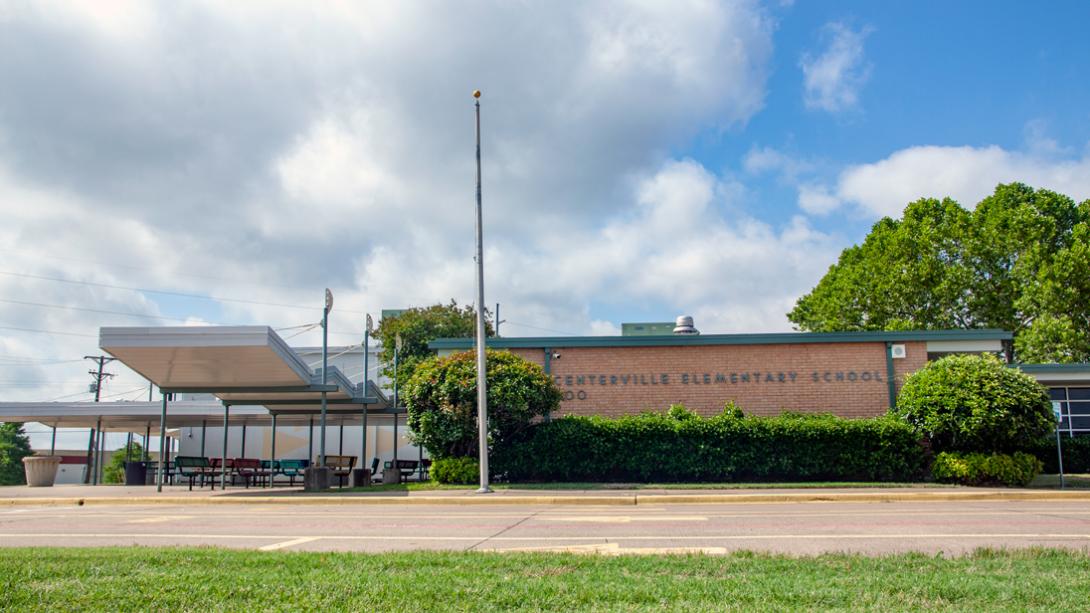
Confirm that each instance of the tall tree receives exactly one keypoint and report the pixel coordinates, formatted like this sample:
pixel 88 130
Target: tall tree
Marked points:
pixel 1013 262
pixel 418 327
pixel 14 446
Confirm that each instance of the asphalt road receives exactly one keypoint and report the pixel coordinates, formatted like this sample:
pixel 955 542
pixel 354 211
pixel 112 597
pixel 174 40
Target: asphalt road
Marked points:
pixel 795 528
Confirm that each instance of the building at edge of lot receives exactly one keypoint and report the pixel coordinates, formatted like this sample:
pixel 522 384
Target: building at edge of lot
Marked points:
pixel 851 374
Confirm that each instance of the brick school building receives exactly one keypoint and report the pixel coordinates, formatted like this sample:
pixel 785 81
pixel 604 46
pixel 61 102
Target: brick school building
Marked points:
pixel 851 374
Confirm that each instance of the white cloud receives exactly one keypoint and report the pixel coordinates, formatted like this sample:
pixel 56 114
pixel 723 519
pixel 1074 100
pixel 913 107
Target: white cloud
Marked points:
pixel 761 160
pixel 816 199
pixel 833 78
pixel 967 174
pixel 265 151
pixel 679 248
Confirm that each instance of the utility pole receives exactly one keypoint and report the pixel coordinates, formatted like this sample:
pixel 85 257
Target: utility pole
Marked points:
pixel 99 375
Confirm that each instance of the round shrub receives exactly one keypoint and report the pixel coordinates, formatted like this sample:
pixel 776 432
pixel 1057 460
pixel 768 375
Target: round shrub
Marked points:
pixel 441 397
pixel 1015 470
pixel 975 403
pixel 460 471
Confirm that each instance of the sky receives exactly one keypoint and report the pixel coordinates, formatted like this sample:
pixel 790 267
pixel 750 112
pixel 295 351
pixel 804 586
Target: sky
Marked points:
pixel 223 162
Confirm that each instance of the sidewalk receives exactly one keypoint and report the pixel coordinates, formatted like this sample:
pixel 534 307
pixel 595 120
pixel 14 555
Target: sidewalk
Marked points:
pixel 126 495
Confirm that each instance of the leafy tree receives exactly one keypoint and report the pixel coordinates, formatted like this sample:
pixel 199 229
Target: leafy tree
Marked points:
pixel 14 446
pixel 974 403
pixel 441 397
pixel 418 327
pixel 1015 262
pixel 114 472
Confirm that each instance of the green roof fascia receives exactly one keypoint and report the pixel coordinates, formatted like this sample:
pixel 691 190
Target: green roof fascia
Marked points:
pixel 1053 368
pixel 778 338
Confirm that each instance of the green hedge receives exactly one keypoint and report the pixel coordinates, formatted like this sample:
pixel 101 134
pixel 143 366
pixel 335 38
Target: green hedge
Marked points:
pixel 1076 452
pixel 1016 470
pixel 680 447
pixel 460 471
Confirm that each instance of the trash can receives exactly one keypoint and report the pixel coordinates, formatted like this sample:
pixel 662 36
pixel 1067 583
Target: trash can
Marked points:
pixel 41 471
pixel 136 473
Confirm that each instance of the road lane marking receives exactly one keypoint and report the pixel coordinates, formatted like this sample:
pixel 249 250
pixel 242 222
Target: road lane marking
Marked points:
pixel 158 519
pixel 621 519
pixel 298 541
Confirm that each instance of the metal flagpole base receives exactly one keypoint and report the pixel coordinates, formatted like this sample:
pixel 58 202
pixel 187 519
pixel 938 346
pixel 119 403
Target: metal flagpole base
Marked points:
pixel 484 490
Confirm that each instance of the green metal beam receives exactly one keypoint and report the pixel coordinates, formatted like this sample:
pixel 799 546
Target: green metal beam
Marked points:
pixel 724 339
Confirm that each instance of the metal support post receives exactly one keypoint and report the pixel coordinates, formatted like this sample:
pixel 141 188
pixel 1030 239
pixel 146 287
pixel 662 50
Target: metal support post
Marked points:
pixel 204 432
pixel 53 443
pixel 272 453
pixel 90 457
pixel 160 471
pixel 147 442
pixel 1060 455
pixel 223 458
pixel 94 451
pixel 310 442
pixel 242 451
pixel 100 474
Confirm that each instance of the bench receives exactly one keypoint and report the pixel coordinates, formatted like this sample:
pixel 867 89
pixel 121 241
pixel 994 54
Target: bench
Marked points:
pixel 342 466
pixel 292 468
pixel 192 468
pixel 405 468
pixel 249 469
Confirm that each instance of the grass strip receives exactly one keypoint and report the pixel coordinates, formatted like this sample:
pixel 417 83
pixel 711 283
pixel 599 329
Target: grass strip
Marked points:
pixel 209 579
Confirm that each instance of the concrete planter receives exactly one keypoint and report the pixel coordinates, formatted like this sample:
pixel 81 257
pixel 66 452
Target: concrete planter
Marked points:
pixel 317 478
pixel 41 471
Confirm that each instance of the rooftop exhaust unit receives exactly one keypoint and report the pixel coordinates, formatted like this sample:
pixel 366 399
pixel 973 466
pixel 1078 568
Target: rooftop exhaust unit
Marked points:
pixel 685 325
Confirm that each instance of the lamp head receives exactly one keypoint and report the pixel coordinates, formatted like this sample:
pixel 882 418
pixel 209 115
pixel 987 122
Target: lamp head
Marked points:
pixel 476 93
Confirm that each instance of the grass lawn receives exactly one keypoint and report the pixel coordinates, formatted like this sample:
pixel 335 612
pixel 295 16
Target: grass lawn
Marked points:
pixel 414 486
pixel 1077 481
pixel 204 579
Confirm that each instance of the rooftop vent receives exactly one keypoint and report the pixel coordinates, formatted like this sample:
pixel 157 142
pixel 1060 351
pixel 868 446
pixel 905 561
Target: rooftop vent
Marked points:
pixel 685 325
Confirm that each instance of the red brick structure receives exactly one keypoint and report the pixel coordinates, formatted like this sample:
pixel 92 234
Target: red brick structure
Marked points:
pixel 849 374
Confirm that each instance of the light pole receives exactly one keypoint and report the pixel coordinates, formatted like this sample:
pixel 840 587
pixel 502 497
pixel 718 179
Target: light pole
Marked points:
pixel 482 372
pixel 397 350
pixel 325 367
pixel 366 350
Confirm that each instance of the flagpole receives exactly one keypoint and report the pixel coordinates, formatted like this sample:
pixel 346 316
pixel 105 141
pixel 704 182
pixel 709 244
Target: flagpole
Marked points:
pixel 482 372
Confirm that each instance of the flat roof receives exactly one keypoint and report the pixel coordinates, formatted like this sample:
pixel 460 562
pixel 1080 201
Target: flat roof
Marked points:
pixel 136 416
pixel 1076 374
pixel 776 338
pixel 237 364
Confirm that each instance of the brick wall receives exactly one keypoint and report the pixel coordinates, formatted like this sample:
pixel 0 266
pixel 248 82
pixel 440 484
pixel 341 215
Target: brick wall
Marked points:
pixel 848 379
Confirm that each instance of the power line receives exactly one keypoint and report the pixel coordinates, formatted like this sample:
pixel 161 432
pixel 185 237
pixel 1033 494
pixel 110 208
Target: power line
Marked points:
pixel 146 268
pixel 75 308
pixel 26 359
pixel 47 331
pixel 168 292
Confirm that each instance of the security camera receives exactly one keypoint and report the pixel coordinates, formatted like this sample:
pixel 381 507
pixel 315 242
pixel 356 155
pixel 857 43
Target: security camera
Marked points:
pixel 556 355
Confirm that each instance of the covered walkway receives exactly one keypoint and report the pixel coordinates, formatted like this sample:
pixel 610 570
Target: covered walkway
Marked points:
pixel 253 376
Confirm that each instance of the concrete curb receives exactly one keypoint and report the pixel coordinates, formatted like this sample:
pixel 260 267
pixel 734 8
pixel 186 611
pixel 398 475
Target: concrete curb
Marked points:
pixel 614 500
